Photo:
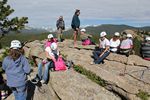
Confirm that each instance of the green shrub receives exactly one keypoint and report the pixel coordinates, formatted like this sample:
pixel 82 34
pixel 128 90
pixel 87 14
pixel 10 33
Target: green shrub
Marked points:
pixel 143 95
pixel 137 46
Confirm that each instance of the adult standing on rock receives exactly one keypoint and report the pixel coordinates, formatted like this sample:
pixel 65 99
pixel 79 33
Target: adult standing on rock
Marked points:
pixel 76 25
pixel 60 24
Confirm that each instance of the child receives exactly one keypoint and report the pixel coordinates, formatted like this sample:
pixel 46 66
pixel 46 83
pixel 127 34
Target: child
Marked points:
pixel 51 54
pixel 50 40
pixel 126 45
pixel 115 42
pixel 16 67
pixel 85 38
pixel 104 49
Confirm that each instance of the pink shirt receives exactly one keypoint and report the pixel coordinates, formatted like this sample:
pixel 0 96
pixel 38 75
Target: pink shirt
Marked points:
pixel 126 44
pixel 48 43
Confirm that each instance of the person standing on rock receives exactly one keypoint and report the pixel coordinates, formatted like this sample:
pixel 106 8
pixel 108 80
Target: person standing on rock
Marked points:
pixel 16 67
pixel 104 49
pixel 76 25
pixel 60 24
pixel 115 42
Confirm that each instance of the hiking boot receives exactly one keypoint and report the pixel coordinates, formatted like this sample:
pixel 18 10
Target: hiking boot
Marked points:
pixel 35 80
pixel 103 62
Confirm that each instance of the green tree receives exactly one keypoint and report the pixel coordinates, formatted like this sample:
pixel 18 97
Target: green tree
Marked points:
pixel 9 24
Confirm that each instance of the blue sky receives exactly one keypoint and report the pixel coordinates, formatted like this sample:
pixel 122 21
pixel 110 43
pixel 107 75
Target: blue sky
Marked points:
pixel 44 13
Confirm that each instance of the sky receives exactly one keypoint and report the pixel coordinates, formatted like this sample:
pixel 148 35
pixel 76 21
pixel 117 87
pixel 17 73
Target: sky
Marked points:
pixel 44 13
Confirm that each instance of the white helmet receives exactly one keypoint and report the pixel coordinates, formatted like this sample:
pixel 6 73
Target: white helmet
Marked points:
pixel 147 38
pixel 83 30
pixel 15 44
pixel 129 35
pixel 50 36
pixel 102 34
pixel 117 34
pixel 53 46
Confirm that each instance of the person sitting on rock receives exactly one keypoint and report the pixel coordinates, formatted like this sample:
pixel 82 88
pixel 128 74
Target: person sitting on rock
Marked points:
pixel 103 51
pixel 126 45
pixel 115 42
pixel 52 54
pixel 85 38
pixel 50 40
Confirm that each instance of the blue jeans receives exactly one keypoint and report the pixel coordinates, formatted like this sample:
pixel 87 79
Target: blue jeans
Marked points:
pixel 20 93
pixel 45 73
pixel 97 59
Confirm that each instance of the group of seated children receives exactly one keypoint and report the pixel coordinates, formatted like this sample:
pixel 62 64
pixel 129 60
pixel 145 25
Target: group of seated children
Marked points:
pixel 115 45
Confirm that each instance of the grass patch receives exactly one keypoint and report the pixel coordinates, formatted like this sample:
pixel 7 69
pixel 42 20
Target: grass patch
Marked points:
pixel 143 95
pixel 90 75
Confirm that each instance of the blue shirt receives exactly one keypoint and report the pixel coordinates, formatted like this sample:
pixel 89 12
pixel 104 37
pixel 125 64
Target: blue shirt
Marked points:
pixel 75 22
pixel 16 71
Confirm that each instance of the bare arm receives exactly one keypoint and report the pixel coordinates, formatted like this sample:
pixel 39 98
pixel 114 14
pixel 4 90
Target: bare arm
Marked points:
pixel 106 49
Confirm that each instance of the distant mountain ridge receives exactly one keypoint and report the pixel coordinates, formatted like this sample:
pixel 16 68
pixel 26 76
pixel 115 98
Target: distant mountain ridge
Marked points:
pixel 109 28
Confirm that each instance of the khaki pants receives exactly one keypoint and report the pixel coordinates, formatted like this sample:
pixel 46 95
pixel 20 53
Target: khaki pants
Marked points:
pixel 59 35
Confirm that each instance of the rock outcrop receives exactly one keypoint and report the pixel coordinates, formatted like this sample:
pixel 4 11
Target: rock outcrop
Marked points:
pixel 70 85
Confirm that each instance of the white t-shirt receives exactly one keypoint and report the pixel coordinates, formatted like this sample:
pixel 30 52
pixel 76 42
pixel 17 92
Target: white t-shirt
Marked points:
pixel 51 52
pixel 114 45
pixel 126 44
pixel 104 43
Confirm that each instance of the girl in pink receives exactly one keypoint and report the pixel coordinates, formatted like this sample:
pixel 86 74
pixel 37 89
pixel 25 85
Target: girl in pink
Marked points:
pixel 50 40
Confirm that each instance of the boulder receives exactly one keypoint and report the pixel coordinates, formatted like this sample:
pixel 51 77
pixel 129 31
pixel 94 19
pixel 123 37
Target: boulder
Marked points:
pixel 27 51
pixel 70 85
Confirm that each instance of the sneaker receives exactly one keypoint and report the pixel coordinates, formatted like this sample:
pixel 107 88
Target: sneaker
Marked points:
pixel 43 82
pixel 92 63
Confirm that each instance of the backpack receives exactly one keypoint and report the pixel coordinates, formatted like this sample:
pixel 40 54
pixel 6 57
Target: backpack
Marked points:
pixel 60 64
pixel 61 24
pixel 86 42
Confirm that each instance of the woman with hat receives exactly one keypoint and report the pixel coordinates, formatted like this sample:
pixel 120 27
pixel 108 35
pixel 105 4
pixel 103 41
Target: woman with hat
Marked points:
pixel 16 67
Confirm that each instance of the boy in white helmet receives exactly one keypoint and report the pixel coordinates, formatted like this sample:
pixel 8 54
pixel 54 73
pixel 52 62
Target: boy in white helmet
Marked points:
pixel 16 67
pixel 52 54
pixel 103 51
pixel 115 42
